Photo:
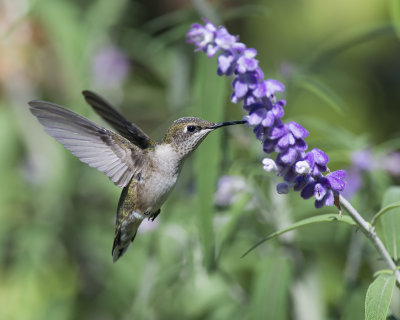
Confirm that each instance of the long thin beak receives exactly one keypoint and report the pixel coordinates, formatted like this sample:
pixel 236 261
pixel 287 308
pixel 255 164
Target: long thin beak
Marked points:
pixel 224 124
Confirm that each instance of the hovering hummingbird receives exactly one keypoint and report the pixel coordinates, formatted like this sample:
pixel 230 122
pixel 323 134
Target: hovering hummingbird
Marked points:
pixel 146 170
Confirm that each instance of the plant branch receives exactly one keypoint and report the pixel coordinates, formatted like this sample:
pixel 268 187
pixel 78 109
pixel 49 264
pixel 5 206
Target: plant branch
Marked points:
pixel 370 232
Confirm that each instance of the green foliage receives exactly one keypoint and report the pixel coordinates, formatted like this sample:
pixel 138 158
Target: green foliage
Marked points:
pixel 209 98
pixel 378 297
pixel 395 15
pixel 390 222
pixel 384 210
pixel 315 219
pixel 57 214
pixel 273 281
pixel 315 86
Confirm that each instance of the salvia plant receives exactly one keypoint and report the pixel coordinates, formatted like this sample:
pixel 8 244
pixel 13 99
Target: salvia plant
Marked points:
pixel 302 170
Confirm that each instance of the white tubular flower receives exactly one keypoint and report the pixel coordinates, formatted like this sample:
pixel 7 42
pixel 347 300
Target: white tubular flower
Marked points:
pixel 269 165
pixel 302 167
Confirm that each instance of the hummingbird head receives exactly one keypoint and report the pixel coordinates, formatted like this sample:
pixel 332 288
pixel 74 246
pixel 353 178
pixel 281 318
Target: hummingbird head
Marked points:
pixel 185 134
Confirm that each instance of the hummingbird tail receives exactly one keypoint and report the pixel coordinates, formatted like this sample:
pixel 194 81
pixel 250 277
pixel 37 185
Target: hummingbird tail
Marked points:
pixel 124 236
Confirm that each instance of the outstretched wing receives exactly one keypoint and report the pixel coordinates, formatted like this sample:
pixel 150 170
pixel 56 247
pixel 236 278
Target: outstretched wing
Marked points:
pixel 126 128
pixel 100 148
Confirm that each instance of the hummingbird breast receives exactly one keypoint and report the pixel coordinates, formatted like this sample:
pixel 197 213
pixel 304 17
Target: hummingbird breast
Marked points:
pixel 156 190
pixel 159 179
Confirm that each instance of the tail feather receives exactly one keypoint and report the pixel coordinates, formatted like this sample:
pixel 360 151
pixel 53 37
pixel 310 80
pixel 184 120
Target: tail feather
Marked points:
pixel 124 236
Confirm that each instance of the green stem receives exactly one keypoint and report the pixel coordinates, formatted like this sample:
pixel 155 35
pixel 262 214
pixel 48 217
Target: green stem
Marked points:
pixel 370 232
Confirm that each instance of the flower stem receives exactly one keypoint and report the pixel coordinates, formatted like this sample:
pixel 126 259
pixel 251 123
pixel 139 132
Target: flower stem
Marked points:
pixel 370 232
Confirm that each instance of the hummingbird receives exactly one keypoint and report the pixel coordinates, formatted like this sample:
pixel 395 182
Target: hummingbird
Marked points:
pixel 146 170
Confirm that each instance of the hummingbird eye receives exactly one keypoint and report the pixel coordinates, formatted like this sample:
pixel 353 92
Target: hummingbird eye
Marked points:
pixel 191 128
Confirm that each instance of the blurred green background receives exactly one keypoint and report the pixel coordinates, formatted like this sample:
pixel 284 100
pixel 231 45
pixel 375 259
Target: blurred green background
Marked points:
pixel 340 62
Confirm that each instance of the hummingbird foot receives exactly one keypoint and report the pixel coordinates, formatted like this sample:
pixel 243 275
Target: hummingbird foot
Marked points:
pixel 154 215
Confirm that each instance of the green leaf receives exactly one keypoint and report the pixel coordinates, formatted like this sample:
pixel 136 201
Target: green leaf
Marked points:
pixel 378 297
pixel 270 299
pixel 68 40
pixel 244 11
pixel 344 41
pixel 329 217
pixel 389 144
pixel 341 139
pixel 384 210
pixel 383 271
pixel 395 15
pixel 166 21
pixel 316 87
pixel 390 221
pixel 209 93
pixel 229 230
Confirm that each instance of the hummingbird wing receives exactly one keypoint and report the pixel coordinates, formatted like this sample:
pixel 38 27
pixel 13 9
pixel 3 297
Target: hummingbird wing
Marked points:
pixel 126 128
pixel 100 148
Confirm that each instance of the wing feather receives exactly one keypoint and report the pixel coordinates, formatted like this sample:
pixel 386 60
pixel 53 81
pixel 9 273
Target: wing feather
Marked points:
pixel 100 148
pixel 126 128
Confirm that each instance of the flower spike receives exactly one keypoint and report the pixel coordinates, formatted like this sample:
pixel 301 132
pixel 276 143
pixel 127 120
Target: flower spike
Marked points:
pixel 301 170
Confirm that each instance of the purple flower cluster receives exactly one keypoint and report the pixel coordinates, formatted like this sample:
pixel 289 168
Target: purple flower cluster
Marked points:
pixel 301 170
pixel 110 67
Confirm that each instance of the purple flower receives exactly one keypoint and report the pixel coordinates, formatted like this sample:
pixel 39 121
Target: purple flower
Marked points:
pixel 301 181
pixel 257 114
pixel 282 188
pixel 308 189
pixel 362 159
pixel 355 181
pixel 268 145
pixel 292 137
pixel 268 88
pixel 326 187
pixel 230 190
pixel 336 180
pixel 110 67
pixel 317 160
pixel 300 169
pixel 391 163
pixel 223 39
pixel 244 86
pixel 287 158
pixel 246 62
pixel 226 64
pixel 203 38
pixel 327 200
